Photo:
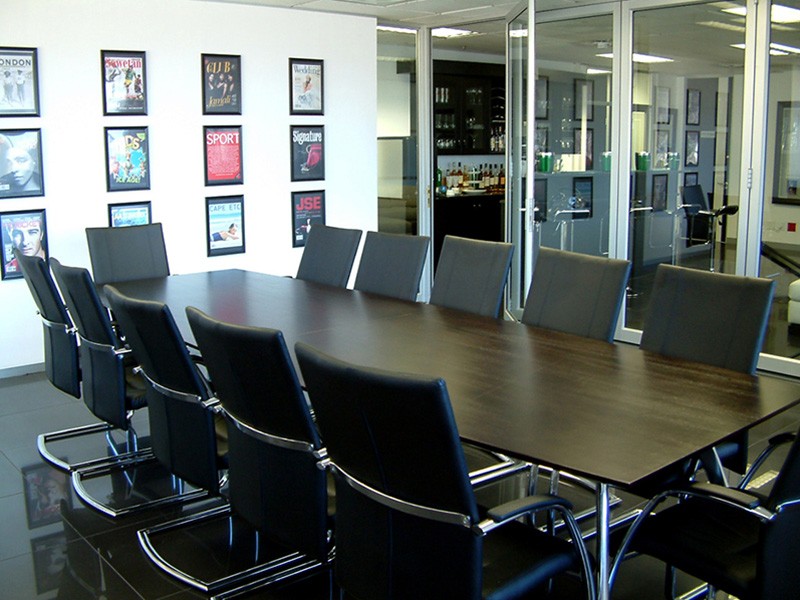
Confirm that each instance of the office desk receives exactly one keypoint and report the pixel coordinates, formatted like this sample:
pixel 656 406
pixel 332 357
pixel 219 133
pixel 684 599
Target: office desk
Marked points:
pixel 609 412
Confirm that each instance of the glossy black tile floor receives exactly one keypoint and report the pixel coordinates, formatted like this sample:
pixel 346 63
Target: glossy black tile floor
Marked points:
pixel 52 546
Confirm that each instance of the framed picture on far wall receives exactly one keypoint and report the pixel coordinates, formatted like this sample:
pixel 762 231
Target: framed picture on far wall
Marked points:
pixel 223 155
pixel 692 148
pixel 308 152
pixel 19 69
pixel 21 173
pixel 127 159
pixel 126 214
pixel 582 195
pixel 222 84
pixel 306 87
pixel 660 183
pixel 225 225
pixel 124 82
pixel 693 107
pixel 690 179
pixel 308 209
pixel 25 230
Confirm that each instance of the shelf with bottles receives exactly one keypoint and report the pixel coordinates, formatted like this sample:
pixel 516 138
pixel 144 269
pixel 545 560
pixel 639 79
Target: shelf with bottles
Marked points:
pixel 456 178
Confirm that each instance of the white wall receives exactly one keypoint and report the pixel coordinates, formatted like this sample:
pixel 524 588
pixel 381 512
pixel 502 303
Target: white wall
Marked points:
pixel 70 35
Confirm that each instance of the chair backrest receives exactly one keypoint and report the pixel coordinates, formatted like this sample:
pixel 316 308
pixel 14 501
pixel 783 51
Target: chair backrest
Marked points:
pixel 60 340
pixel 329 255
pixel 182 429
pixel 576 293
pixel 127 253
pixel 694 200
pixel 471 275
pixel 395 434
pixel 274 481
pixel 391 264
pixel 712 318
pixel 101 365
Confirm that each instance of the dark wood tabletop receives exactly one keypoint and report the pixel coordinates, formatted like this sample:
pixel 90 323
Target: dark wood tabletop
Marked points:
pixel 610 412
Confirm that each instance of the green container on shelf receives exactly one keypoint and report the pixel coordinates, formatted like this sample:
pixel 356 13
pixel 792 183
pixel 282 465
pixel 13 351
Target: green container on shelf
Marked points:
pixel 606 161
pixel 642 161
pixel 546 162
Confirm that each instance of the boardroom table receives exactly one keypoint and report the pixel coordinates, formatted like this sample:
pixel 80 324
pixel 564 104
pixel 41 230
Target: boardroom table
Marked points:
pixel 609 412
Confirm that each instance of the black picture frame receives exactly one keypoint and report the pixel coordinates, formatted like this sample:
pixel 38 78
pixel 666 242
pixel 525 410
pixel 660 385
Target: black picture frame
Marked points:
pixel 659 194
pixel 19 71
pixel 662 149
pixel 540 200
pixel 308 209
pixel 127 158
pixel 26 230
pixel 692 149
pixel 49 554
pixel 127 214
pixel 542 139
pixel 124 77
pixel 692 107
pixel 576 146
pixel 542 91
pixel 662 94
pixel 45 487
pixel 21 169
pixel 222 84
pixel 222 155
pixel 582 196
pixel 690 178
pixel 785 180
pixel 306 86
pixel 307 152
pixel 225 227
pixel 579 86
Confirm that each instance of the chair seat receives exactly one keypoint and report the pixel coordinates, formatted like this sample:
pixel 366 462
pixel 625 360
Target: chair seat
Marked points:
pixel 718 546
pixel 518 557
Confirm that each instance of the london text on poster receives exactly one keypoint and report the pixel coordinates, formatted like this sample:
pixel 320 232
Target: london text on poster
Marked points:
pixel 305 86
pixel 124 83
pixel 225 225
pixel 223 156
pixel 26 231
pixel 127 159
pixel 222 84
pixel 21 163
pixel 19 94
pixel 308 209
pixel 308 153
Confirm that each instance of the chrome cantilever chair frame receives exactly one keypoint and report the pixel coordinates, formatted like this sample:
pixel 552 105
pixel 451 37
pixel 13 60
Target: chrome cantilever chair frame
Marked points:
pixel 270 572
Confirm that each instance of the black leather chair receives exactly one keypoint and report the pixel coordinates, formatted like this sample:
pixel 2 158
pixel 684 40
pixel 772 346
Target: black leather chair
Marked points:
pixel 127 253
pixel 105 390
pixel 60 337
pixel 407 523
pixel 391 264
pixel 576 293
pixel 711 318
pixel 743 543
pixel 183 434
pixel 274 481
pixel 701 219
pixel 329 255
pixel 471 275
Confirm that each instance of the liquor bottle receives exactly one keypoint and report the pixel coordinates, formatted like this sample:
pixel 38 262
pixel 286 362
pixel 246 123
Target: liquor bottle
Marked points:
pixel 459 177
pixel 502 178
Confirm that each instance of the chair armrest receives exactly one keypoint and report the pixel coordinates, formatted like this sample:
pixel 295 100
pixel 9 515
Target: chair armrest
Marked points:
pixel 719 492
pixel 520 506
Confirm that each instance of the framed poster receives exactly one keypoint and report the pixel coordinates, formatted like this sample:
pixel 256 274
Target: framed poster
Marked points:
pixel 49 560
pixel 124 82
pixel 306 87
pixel 308 209
pixel 25 230
pixel 21 163
pixel 661 154
pixel 786 176
pixel 581 200
pixel 539 200
pixel 542 139
pixel 222 84
pixel 127 159
pixel 19 96
pixel 308 152
pixel 223 155
pixel 45 487
pixel 660 183
pixel 542 97
pixel 578 148
pixel 690 179
pixel 225 225
pixel 583 93
pixel 125 214
pixel 693 107
pixel 692 148
pixel 662 105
